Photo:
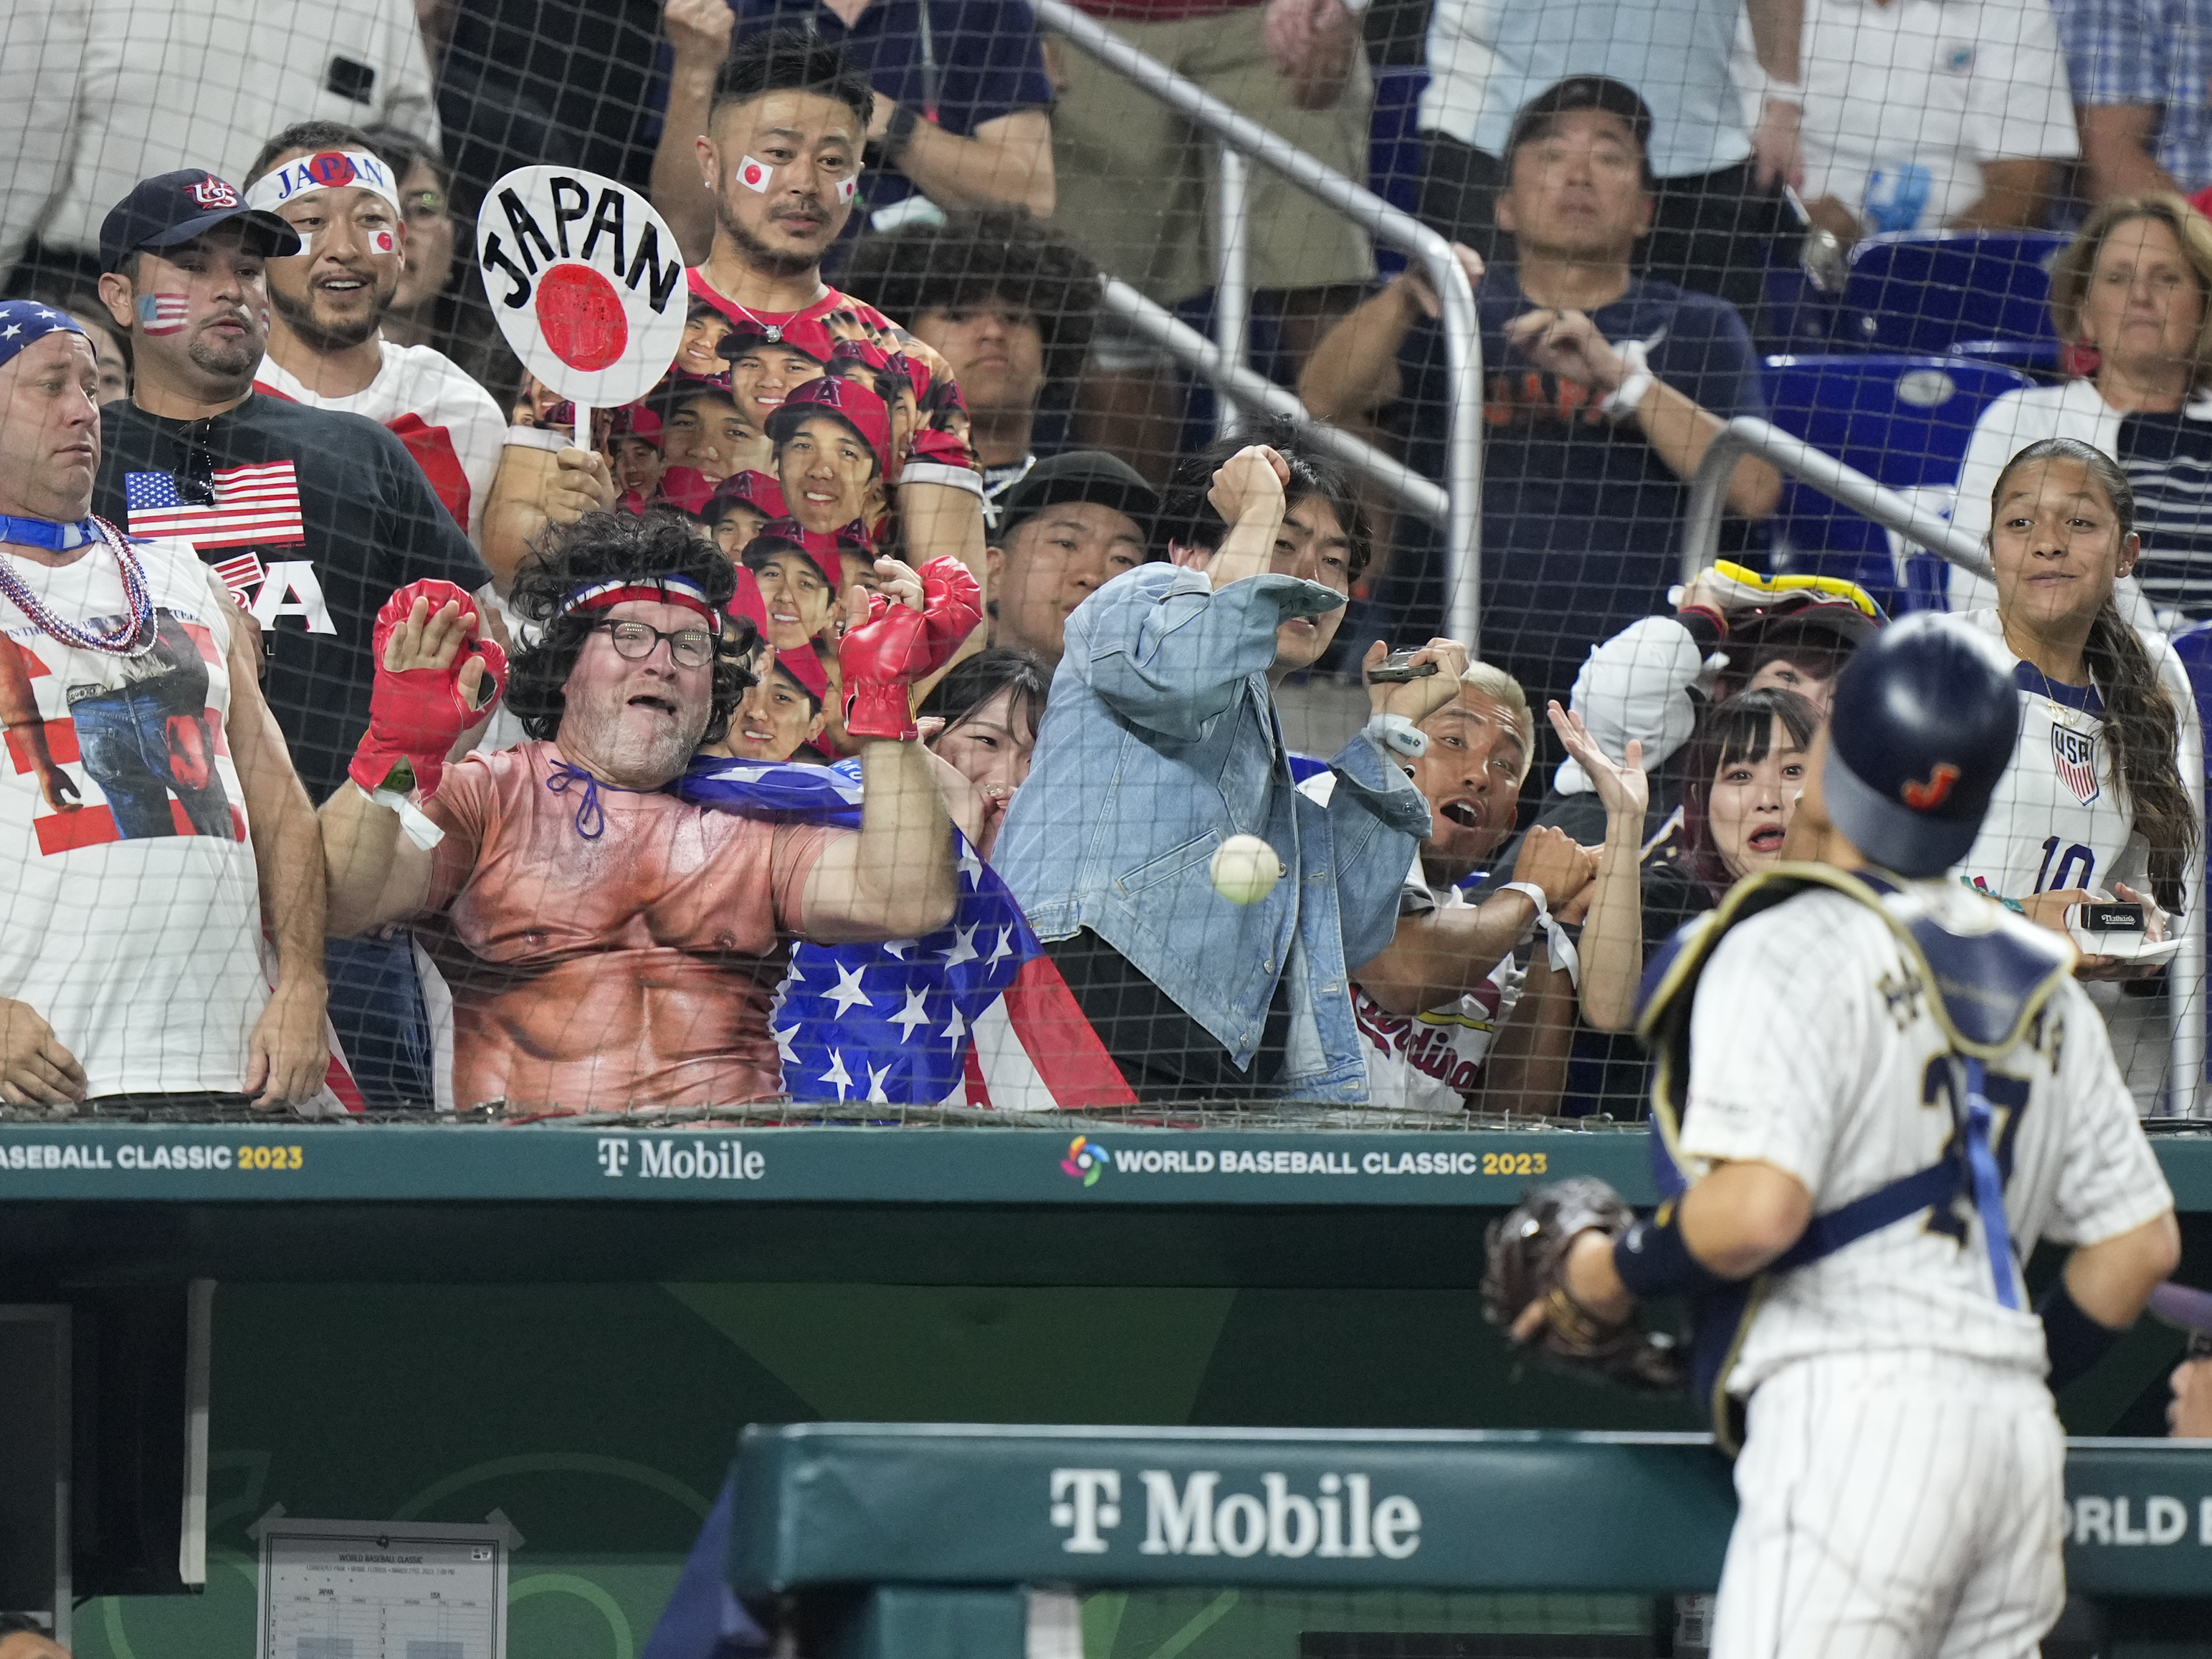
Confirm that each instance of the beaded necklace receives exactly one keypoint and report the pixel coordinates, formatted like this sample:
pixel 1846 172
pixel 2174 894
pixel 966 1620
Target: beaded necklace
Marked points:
pixel 131 638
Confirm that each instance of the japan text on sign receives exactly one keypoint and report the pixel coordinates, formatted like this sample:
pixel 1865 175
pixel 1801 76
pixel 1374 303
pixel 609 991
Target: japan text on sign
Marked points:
pixel 586 281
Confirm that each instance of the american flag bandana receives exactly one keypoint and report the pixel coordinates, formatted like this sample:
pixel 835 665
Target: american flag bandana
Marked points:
pixel 887 1024
pixel 2073 757
pixel 253 507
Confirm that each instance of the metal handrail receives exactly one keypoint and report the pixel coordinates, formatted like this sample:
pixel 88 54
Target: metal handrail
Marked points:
pixel 1255 390
pixel 1461 327
pixel 1745 436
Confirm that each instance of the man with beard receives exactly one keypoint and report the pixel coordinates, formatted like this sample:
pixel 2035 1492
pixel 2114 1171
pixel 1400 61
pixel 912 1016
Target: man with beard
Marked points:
pixel 311 516
pixel 328 301
pixel 610 944
pixel 781 155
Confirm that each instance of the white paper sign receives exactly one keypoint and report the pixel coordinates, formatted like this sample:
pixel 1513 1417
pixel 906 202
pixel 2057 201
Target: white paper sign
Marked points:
pixel 586 280
pixel 377 1589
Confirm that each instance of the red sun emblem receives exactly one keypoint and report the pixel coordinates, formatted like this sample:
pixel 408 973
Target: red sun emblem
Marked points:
pixel 332 167
pixel 384 241
pixel 580 314
pixel 753 174
pixel 1926 797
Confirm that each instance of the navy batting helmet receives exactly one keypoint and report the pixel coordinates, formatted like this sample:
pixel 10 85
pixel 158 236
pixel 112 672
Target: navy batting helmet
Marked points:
pixel 1924 726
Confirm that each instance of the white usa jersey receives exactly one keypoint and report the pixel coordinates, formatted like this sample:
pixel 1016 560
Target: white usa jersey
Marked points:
pixel 1814 1049
pixel 2058 819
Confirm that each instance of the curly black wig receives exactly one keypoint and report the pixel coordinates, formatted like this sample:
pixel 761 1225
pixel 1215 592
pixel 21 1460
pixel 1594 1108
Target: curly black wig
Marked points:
pixel 605 547
pixel 996 253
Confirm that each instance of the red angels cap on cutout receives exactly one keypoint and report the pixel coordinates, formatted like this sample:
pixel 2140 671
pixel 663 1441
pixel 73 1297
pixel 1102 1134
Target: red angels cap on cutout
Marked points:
pixel 855 404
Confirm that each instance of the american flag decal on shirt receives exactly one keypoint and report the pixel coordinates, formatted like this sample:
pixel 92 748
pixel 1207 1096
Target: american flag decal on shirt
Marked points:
pixel 253 507
pixel 2074 756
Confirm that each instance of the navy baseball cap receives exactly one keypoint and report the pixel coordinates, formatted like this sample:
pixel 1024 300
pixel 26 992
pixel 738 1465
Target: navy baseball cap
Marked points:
pixel 1582 92
pixel 1925 720
pixel 174 207
pixel 1081 475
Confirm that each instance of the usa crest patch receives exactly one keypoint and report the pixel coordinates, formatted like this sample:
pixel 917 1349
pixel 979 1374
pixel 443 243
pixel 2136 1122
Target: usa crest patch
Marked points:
pixel 2073 757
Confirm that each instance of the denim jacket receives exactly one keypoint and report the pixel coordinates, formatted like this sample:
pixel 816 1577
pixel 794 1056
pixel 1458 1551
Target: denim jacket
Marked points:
pixel 1159 743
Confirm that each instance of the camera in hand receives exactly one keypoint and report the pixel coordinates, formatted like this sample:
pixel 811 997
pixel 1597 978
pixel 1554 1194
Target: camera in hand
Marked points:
pixel 1399 666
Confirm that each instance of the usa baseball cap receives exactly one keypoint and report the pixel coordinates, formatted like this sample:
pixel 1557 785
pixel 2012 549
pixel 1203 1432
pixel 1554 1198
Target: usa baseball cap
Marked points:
pixel 1081 475
pixel 1925 719
pixel 1584 92
pixel 172 208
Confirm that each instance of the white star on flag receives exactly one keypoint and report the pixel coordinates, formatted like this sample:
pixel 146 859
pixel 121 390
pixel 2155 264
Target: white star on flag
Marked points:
pixel 958 1028
pixel 837 1073
pixel 912 1015
pixel 899 947
pixel 848 991
pixel 876 1076
pixel 783 1049
pixel 971 865
pixel 11 332
pixel 963 946
pixel 1002 950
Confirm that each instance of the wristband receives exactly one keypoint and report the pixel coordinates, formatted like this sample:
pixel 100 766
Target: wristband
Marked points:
pixel 1620 402
pixel 1535 895
pixel 421 828
pixel 1398 734
pixel 1652 1260
pixel 899 134
pixel 2073 1339
pixel 1562 949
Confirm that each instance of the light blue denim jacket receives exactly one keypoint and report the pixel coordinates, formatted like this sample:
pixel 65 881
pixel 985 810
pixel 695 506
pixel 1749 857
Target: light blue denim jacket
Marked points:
pixel 1160 742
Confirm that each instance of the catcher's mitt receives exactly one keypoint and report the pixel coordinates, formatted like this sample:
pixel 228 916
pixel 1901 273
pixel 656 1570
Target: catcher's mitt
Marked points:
pixel 1527 1251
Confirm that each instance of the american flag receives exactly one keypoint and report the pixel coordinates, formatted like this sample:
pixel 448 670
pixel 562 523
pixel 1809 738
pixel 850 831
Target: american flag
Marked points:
pixel 241 574
pixel 2074 756
pixel 253 507
pixel 163 313
pixel 888 1024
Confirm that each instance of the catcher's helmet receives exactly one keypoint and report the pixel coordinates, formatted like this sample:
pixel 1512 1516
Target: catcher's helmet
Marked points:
pixel 1925 719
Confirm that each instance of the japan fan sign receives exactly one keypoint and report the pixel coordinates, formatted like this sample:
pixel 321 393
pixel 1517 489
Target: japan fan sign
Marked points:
pixel 588 283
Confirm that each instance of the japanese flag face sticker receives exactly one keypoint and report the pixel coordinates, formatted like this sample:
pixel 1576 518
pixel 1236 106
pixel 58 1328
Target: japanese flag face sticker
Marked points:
pixel 846 186
pixel 755 175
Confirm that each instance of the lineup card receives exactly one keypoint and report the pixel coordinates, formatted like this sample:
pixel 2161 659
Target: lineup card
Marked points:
pixel 374 1589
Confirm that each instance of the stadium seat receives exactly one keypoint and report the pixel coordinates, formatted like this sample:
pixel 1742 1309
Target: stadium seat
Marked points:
pixel 1903 421
pixel 1927 291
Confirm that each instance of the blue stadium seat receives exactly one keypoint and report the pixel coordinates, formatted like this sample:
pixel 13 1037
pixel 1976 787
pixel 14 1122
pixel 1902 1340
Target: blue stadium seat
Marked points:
pixel 1903 421
pixel 1929 290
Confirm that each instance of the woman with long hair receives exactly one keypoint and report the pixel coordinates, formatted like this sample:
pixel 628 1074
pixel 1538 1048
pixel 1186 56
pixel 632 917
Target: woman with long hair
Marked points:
pixel 2094 797
pixel 2131 296
pixel 1742 771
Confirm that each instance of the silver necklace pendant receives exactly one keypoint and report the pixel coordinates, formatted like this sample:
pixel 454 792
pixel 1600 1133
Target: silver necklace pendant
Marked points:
pixel 775 333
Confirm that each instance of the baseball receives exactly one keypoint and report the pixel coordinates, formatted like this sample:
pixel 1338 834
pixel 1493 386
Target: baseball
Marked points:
pixel 1245 869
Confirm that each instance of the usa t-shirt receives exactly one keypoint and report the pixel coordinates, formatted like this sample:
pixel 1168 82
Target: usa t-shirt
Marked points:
pixel 1582 519
pixel 312 519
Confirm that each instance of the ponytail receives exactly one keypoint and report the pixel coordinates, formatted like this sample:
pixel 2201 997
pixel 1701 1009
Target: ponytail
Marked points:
pixel 2142 731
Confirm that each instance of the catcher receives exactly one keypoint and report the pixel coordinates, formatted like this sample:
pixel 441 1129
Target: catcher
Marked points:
pixel 1876 1090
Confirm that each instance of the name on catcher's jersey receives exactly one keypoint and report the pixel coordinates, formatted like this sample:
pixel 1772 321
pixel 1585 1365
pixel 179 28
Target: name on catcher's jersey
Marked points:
pixel 1815 1046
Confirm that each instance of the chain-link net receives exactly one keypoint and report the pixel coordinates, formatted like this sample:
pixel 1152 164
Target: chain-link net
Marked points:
pixel 929 271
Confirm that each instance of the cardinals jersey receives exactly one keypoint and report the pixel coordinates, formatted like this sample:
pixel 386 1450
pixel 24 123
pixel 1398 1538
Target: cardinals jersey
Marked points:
pixel 1814 1047
pixel 448 423
pixel 2058 818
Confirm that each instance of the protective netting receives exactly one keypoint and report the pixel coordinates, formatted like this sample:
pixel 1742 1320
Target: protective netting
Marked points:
pixel 1171 849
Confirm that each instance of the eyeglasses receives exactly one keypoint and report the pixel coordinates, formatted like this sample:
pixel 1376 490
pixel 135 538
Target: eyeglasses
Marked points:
pixel 688 647
pixel 424 204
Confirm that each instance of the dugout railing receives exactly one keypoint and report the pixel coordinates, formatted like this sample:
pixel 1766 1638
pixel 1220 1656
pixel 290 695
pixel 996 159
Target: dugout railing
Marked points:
pixel 966 1542
pixel 1919 526
pixel 1240 139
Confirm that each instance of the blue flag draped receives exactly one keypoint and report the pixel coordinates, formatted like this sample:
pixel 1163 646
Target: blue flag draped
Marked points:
pixel 885 1025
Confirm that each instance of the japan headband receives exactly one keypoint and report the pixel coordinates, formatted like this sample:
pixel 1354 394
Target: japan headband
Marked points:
pixel 329 169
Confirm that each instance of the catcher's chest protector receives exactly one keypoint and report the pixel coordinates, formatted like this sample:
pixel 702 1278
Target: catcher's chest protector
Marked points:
pixel 1983 989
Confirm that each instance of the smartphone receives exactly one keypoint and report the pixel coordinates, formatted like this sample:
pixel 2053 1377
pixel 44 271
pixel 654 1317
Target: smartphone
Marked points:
pixel 1399 666
pixel 2101 917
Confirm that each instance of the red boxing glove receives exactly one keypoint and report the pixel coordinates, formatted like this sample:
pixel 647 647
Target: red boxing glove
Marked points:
pixel 417 715
pixel 898 645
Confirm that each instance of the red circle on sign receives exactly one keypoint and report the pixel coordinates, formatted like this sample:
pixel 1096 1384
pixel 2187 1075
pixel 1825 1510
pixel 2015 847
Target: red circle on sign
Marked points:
pixel 581 315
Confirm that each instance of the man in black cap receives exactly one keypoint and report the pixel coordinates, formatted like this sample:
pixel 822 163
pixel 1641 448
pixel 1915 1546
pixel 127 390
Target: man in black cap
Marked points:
pixel 1605 389
pixel 312 517
pixel 1072 524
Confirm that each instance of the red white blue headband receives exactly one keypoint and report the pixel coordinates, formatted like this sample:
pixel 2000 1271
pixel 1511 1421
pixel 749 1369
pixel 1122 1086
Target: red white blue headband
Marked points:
pixel 680 591
pixel 329 169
